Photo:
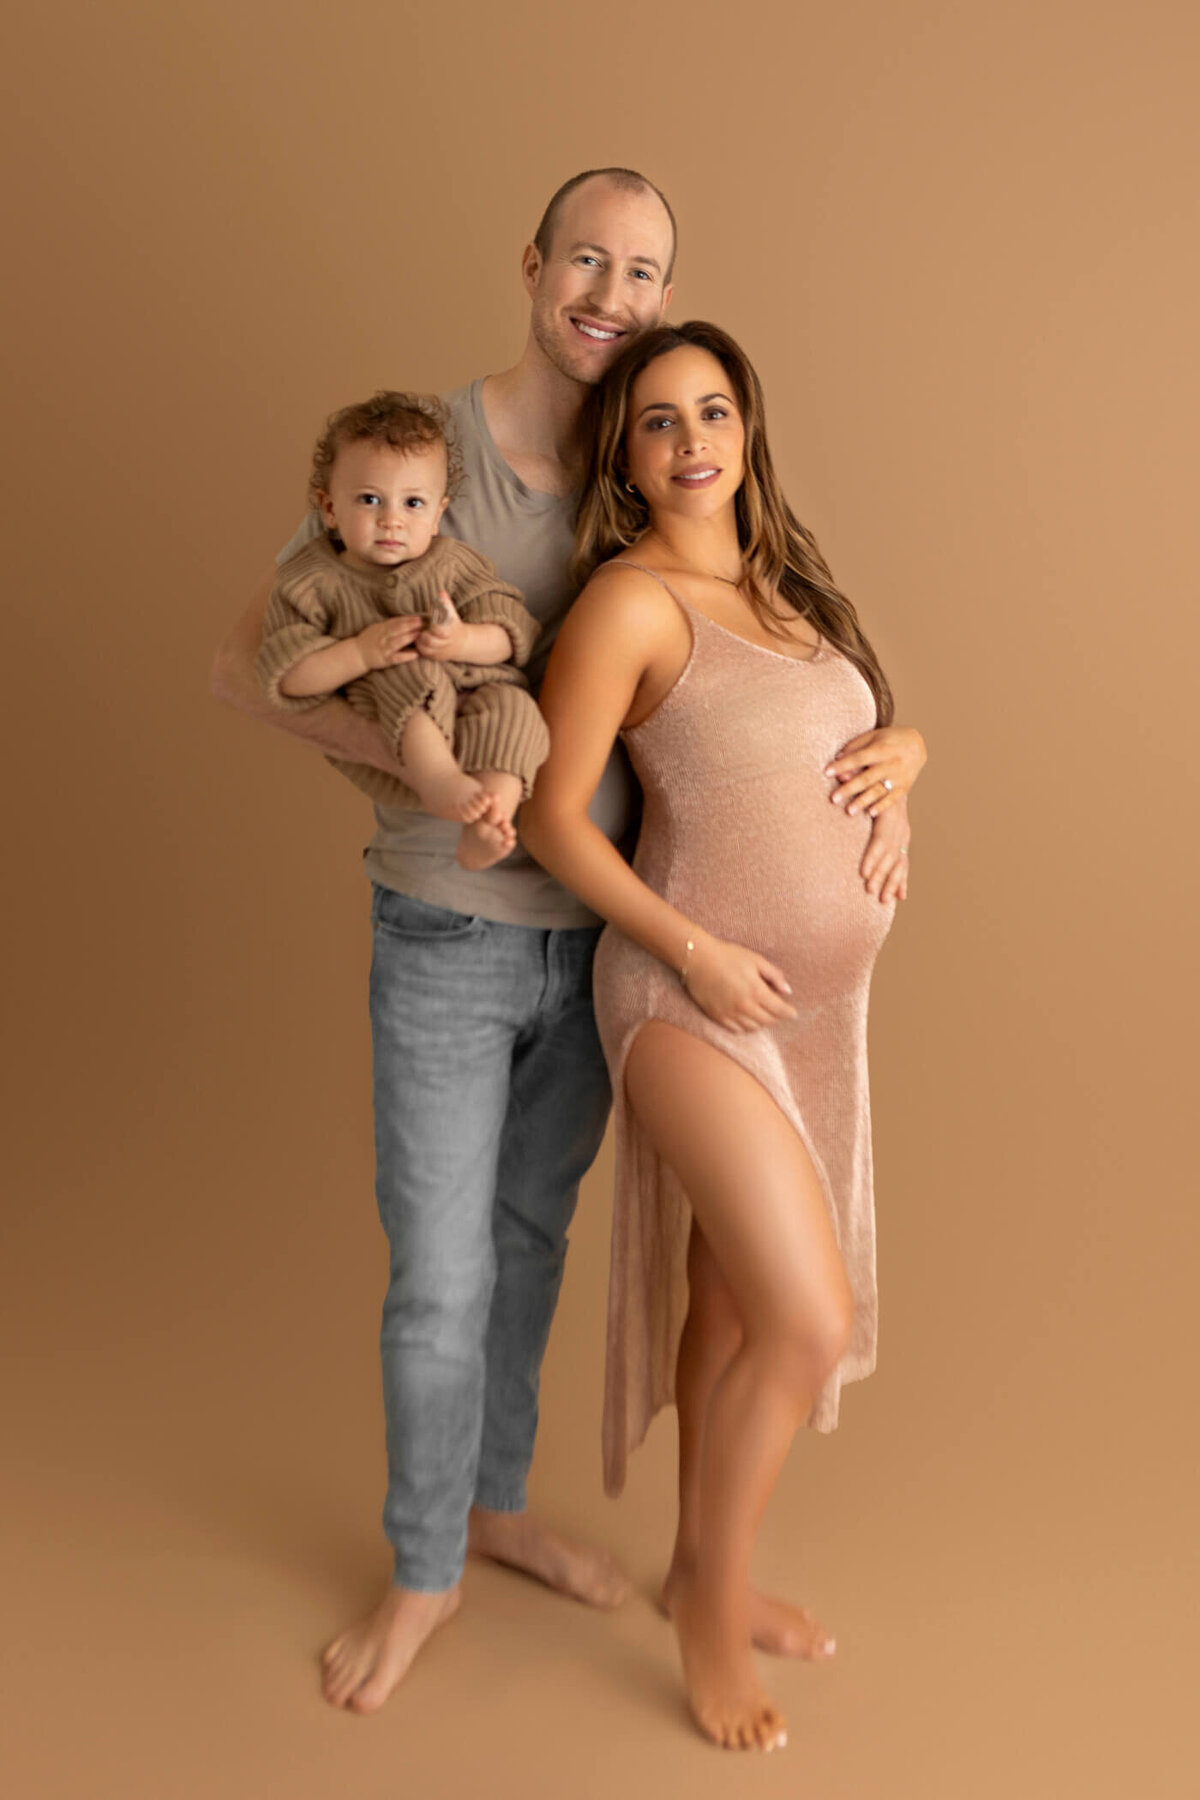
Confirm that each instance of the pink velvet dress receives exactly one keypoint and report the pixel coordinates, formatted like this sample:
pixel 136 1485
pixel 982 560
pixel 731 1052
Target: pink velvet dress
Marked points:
pixel 738 832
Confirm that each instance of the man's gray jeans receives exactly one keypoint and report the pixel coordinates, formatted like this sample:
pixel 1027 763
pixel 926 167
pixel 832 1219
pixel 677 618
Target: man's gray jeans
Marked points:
pixel 491 1097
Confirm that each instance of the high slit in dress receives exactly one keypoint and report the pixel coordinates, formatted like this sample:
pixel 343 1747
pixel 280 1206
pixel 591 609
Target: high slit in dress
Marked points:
pixel 738 832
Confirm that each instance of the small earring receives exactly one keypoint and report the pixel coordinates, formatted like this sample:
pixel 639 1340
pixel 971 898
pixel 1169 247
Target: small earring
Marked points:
pixel 629 488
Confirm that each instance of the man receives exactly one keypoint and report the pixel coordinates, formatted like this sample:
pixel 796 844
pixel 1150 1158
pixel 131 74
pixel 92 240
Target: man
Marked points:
pixel 490 1088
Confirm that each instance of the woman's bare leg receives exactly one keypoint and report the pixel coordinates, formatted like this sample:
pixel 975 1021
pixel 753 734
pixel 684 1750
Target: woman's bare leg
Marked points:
pixel 712 1336
pixel 759 1205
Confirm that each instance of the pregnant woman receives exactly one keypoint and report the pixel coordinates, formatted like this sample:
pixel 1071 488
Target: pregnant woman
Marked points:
pixel 731 984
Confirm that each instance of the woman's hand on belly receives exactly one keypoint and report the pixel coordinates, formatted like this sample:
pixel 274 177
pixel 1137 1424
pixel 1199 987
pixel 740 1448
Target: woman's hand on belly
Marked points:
pixel 895 754
pixel 884 867
pixel 738 989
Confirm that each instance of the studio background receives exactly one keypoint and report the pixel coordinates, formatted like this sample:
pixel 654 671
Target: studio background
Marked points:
pixel 959 242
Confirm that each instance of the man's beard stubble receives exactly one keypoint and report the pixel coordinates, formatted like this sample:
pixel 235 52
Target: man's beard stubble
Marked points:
pixel 559 354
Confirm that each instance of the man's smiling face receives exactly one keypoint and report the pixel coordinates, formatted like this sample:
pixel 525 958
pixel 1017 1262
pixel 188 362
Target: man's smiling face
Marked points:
pixel 603 278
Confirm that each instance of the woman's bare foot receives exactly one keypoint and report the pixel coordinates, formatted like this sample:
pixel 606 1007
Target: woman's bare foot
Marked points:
pixel 522 1543
pixel 373 1657
pixel 785 1630
pixel 722 1687
pixel 486 840
pixel 775 1626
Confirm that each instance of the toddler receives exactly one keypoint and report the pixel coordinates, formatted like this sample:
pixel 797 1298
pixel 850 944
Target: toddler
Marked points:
pixel 417 630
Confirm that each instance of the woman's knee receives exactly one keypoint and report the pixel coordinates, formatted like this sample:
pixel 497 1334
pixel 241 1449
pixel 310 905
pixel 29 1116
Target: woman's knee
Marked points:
pixel 835 1330
pixel 809 1344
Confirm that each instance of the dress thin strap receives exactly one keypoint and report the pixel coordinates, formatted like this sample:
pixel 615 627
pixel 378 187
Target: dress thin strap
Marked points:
pixel 693 612
pixel 625 563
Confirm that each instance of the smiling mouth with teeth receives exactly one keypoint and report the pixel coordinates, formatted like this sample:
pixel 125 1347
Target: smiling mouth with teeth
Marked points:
pixel 598 333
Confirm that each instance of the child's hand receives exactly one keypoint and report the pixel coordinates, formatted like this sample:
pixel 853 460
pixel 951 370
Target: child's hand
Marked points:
pixel 884 867
pixel 388 642
pixel 445 636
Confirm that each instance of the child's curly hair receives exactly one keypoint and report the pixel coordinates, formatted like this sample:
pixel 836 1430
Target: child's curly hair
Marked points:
pixel 405 421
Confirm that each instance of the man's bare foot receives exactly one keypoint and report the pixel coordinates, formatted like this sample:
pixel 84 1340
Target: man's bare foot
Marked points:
pixel 522 1543
pixel 373 1657
pixel 454 795
pixel 722 1687
pixel 775 1626
pixel 486 840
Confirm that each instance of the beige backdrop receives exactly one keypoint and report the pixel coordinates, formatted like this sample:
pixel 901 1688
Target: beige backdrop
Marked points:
pixel 960 244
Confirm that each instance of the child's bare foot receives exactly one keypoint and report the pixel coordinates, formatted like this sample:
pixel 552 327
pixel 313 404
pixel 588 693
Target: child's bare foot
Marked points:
pixel 487 840
pixel 373 1657
pixel 722 1687
pixel 775 1626
pixel 453 795
pixel 523 1543
pixel 492 834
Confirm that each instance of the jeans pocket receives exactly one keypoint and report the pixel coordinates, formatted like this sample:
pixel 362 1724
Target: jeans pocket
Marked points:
pixel 406 917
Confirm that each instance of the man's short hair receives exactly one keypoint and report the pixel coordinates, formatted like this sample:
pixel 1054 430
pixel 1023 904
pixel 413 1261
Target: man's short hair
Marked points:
pixel 630 180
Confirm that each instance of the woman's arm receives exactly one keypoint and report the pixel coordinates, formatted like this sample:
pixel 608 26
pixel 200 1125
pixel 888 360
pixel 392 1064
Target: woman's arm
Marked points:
pixel 333 727
pixel 619 636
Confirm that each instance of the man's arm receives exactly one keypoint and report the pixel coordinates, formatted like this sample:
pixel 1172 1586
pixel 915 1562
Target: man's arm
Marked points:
pixel 333 727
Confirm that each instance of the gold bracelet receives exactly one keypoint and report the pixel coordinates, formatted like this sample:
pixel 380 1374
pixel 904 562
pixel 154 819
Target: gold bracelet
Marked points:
pixel 687 957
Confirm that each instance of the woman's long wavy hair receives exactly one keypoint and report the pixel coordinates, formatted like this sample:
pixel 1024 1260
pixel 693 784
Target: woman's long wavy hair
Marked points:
pixel 786 575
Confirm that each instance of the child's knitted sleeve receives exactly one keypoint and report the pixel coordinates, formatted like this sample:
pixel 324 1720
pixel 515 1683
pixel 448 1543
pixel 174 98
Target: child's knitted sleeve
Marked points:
pixel 299 614
pixel 481 598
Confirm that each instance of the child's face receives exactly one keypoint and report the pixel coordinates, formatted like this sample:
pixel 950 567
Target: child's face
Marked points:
pixel 385 504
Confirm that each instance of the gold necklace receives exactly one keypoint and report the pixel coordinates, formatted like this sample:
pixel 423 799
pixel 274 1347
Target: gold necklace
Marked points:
pixel 729 582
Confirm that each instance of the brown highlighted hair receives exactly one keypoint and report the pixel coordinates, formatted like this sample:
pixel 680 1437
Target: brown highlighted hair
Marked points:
pixel 786 576
pixel 402 421
pixel 629 180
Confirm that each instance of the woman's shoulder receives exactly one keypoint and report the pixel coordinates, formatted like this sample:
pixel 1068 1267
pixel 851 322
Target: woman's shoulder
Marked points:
pixel 623 622
pixel 624 609
pixel 627 589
